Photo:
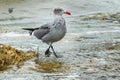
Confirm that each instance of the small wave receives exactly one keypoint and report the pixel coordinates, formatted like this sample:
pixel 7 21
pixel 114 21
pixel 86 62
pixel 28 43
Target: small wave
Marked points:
pixel 92 33
pixel 100 32
pixel 78 36
pixel 12 34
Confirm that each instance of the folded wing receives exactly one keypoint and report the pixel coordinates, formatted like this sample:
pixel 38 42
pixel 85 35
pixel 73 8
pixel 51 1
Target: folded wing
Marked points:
pixel 40 31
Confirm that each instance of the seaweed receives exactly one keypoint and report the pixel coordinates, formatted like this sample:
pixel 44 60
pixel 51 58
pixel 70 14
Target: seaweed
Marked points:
pixel 10 56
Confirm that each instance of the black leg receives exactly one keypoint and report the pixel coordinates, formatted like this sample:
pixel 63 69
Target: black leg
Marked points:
pixel 47 52
pixel 54 51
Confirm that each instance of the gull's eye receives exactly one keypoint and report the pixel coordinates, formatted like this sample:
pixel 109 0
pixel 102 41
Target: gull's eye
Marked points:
pixel 59 9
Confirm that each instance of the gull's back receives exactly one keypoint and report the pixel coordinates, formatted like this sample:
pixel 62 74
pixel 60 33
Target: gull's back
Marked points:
pixel 57 31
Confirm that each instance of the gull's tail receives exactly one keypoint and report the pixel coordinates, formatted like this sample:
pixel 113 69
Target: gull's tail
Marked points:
pixel 30 30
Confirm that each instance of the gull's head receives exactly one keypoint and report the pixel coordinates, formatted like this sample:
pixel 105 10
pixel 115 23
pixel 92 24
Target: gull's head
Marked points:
pixel 60 11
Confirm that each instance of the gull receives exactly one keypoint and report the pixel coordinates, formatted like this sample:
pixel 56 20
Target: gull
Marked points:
pixel 10 10
pixel 51 32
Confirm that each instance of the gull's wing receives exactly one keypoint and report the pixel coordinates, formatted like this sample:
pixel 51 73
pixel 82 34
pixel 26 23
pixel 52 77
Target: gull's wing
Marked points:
pixel 43 30
pixel 39 32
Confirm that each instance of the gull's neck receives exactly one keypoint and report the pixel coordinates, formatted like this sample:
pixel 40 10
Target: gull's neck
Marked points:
pixel 58 16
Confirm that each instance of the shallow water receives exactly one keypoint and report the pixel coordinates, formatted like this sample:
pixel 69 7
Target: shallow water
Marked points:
pixel 90 49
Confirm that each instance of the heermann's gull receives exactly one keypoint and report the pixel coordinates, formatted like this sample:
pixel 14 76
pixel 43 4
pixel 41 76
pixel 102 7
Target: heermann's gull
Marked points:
pixel 50 33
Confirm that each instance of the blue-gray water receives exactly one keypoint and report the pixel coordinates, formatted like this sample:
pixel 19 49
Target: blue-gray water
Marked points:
pixel 90 48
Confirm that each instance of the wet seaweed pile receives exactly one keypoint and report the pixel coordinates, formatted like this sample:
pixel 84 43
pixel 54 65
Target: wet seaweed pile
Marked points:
pixel 103 16
pixel 10 56
pixel 49 65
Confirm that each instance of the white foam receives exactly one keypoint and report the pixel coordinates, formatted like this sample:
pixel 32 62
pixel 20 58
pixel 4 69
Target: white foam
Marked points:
pixel 12 34
pixel 93 32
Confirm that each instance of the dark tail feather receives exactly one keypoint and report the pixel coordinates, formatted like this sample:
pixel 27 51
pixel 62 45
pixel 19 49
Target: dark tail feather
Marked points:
pixel 30 30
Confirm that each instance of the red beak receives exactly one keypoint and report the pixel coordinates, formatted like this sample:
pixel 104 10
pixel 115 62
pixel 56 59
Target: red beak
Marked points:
pixel 67 12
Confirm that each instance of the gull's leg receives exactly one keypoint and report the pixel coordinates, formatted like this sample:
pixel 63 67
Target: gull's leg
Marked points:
pixel 53 51
pixel 47 52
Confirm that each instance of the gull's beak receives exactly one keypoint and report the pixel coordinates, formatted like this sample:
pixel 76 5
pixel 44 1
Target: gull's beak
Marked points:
pixel 67 12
